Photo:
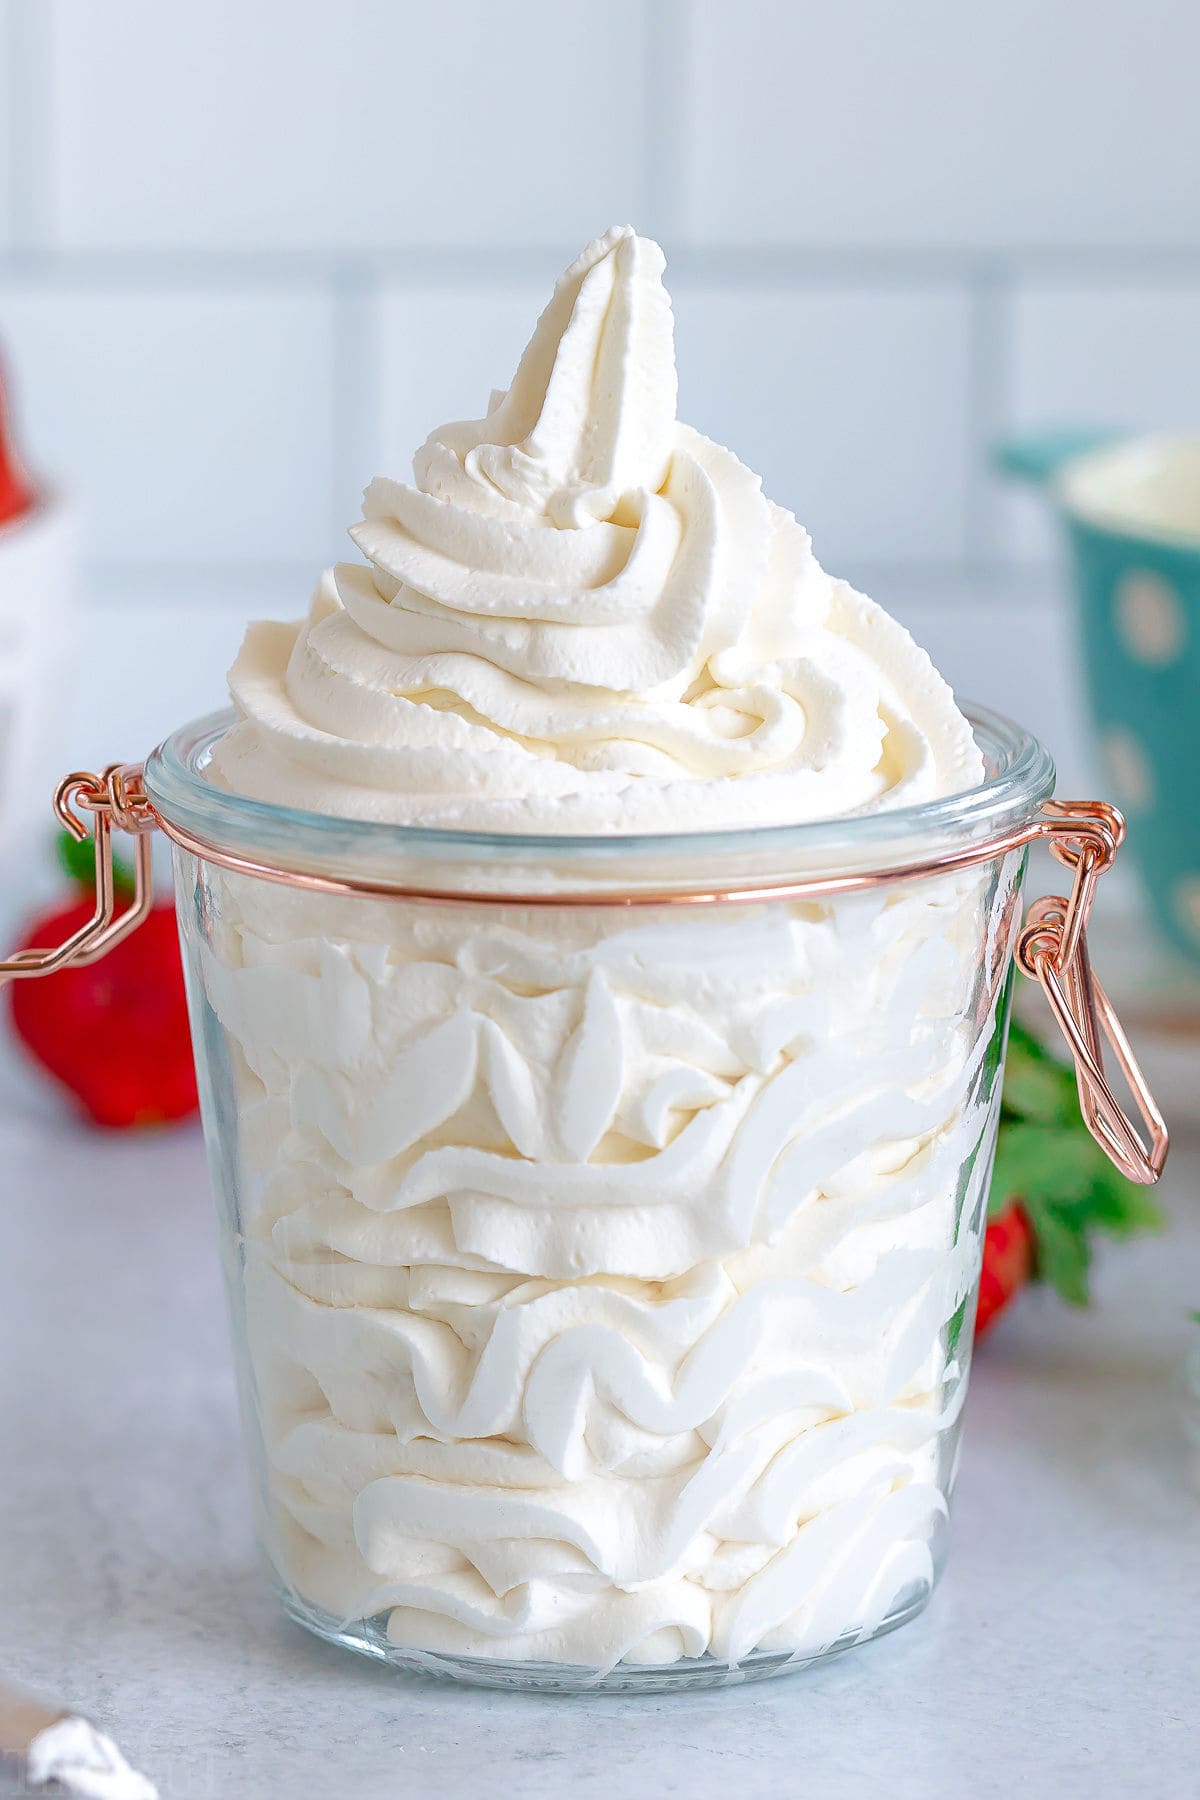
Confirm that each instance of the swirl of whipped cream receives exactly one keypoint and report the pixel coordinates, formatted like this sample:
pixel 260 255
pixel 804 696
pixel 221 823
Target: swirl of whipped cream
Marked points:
pixel 600 1277
pixel 585 616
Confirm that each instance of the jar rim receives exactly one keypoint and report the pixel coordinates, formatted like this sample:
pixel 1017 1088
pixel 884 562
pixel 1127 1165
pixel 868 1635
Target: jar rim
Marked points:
pixel 1019 776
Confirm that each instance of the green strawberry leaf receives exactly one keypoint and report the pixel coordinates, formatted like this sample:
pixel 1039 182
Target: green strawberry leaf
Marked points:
pixel 1036 1085
pixel 1062 1257
pixel 1110 1202
pixel 77 859
pixel 1048 1160
pixel 1040 1161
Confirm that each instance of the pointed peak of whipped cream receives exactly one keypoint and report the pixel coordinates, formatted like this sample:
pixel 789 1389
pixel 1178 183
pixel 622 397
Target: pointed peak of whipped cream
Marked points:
pixel 588 422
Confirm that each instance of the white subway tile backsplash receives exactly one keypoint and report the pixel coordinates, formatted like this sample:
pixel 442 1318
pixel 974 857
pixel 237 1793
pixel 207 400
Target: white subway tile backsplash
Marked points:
pixel 978 630
pixel 195 428
pixel 1101 353
pixel 300 124
pixel 851 403
pixel 1096 354
pixel 150 688
pixel 436 356
pixel 1033 122
pixel 424 172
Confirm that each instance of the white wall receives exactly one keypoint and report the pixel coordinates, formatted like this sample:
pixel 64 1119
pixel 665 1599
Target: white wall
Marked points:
pixel 251 251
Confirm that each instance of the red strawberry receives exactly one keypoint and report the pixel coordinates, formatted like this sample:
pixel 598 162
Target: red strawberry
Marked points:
pixel 114 1033
pixel 16 493
pixel 1008 1251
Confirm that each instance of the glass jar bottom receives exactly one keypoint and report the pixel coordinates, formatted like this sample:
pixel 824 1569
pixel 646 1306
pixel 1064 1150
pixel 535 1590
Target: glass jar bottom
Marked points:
pixel 369 1638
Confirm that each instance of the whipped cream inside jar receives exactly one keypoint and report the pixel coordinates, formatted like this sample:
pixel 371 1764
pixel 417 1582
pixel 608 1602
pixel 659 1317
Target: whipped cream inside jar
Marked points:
pixel 603 1215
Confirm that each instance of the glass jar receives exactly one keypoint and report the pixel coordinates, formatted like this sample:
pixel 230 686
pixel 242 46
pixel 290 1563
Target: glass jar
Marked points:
pixel 602 1276
pixel 602 1217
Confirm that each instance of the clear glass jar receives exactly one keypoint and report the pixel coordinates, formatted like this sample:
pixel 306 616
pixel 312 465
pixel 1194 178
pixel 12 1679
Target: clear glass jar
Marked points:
pixel 602 1275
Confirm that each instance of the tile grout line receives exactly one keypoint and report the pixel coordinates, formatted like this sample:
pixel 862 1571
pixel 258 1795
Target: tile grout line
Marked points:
pixel 429 266
pixel 28 112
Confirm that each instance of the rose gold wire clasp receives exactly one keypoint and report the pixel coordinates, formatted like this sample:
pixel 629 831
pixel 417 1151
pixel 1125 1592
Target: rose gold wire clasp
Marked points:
pixel 1085 835
pixel 115 798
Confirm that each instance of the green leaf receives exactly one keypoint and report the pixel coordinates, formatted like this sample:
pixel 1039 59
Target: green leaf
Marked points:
pixel 1109 1202
pixel 1062 1257
pixel 1036 1085
pixel 77 858
pixel 1048 1160
pixel 1039 1162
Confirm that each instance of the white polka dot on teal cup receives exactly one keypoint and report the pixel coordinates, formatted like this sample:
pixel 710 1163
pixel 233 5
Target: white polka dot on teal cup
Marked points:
pixel 1150 618
pixel 1130 768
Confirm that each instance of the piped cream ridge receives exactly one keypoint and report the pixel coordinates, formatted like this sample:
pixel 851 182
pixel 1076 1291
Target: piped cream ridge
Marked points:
pixel 583 616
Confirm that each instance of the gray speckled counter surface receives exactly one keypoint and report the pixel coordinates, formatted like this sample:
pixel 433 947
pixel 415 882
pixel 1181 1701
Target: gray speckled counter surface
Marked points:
pixel 1060 1656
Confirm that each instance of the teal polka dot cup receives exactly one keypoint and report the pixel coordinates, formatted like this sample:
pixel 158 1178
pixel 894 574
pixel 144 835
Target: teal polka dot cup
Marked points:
pixel 1131 512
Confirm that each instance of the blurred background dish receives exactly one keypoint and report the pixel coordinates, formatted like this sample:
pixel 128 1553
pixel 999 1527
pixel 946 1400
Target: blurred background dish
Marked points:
pixel 1131 513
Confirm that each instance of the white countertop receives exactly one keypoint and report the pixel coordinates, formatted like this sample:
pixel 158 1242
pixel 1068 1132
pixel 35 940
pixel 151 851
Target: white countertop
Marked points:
pixel 1060 1655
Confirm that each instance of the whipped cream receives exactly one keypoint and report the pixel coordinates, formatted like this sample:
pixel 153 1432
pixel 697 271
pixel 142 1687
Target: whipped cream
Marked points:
pixel 73 1755
pixel 604 1275
pixel 584 616
pixel 600 1273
